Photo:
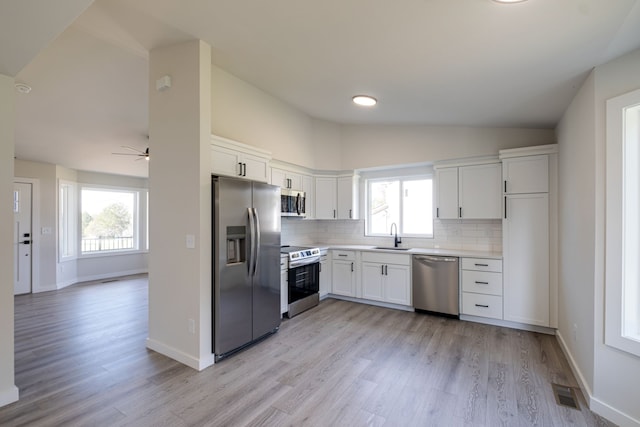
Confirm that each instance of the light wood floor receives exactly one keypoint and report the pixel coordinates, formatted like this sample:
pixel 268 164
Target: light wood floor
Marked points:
pixel 81 360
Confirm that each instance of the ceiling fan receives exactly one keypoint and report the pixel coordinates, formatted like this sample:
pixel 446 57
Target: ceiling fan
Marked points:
pixel 140 154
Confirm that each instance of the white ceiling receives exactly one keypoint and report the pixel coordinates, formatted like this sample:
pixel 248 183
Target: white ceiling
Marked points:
pixel 453 62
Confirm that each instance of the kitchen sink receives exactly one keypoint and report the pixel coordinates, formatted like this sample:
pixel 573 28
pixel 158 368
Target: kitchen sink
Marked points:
pixel 391 248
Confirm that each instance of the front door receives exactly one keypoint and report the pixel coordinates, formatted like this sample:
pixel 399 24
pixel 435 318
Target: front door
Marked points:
pixel 22 237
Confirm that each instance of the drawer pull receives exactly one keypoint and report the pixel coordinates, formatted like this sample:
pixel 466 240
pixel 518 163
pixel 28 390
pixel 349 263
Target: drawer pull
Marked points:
pixel 481 283
pixel 482 305
pixel 481 265
pixel 342 254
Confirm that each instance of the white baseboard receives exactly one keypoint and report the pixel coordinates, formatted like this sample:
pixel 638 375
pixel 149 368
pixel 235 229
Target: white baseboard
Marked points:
pixel 175 354
pixel 111 275
pixel 596 405
pixel 508 324
pixel 62 285
pixel 370 302
pixel 9 395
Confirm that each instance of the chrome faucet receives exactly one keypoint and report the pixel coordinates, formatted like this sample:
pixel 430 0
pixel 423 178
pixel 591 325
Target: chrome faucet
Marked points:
pixel 396 239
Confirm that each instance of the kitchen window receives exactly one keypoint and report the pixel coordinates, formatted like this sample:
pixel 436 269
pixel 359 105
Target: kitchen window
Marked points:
pixel 622 286
pixel 405 201
pixel 110 220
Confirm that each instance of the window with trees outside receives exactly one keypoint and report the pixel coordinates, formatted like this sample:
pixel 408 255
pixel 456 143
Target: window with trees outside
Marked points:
pixel 622 242
pixel 109 220
pixel 405 201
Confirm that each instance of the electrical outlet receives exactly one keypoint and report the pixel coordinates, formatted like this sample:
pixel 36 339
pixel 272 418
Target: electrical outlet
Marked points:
pixel 192 326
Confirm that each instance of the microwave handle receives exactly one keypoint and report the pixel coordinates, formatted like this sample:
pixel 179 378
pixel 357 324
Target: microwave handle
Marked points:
pixel 298 203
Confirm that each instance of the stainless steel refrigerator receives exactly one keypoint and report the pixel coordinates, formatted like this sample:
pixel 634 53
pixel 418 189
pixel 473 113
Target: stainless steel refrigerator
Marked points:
pixel 246 263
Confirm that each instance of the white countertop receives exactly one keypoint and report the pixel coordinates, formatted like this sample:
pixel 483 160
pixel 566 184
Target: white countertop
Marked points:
pixel 416 251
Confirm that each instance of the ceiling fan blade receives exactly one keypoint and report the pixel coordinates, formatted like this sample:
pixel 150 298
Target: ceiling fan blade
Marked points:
pixel 126 147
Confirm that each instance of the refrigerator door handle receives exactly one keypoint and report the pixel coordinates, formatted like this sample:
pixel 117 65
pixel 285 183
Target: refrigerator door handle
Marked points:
pixel 252 245
pixel 257 240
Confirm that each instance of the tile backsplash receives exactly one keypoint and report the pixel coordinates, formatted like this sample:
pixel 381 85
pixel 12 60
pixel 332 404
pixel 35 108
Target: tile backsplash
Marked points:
pixel 473 235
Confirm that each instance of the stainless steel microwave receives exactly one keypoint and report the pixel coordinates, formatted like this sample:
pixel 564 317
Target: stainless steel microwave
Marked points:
pixel 292 203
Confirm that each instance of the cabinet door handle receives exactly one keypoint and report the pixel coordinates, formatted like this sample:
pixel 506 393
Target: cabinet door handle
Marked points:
pixel 350 215
pixel 382 270
pixel 245 169
pixel 386 270
pixel 481 283
pixel 352 267
pixel 505 185
pixel 334 213
pixel 460 212
pixel 481 265
pixel 437 212
pixel 482 305
pixel 505 207
pixel 239 168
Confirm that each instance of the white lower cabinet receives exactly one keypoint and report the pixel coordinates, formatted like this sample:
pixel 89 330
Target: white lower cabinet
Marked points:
pixel 284 285
pixel 481 285
pixel 386 277
pixel 325 275
pixel 343 273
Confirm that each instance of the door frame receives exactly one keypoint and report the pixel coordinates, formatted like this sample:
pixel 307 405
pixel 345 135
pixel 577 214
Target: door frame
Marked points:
pixel 35 230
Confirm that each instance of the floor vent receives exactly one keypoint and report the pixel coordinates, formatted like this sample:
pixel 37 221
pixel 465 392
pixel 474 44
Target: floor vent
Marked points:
pixel 565 396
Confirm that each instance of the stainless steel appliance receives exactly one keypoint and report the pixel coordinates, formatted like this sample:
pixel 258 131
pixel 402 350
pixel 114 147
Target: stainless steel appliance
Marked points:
pixel 303 278
pixel 435 284
pixel 292 203
pixel 246 263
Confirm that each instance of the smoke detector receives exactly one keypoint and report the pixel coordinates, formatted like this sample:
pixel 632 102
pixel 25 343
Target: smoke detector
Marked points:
pixel 23 88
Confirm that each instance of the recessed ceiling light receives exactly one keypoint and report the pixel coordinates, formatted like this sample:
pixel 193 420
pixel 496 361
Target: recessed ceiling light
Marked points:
pixel 365 100
pixel 23 88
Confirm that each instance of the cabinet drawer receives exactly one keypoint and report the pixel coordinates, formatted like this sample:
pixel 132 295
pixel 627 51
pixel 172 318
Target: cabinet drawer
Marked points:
pixel 344 255
pixel 482 264
pixel 482 305
pixel 482 282
pixel 386 258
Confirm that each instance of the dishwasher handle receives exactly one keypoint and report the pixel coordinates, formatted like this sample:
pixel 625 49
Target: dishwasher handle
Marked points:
pixel 434 258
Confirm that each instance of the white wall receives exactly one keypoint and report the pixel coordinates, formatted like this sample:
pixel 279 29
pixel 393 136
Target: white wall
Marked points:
pixel 576 136
pixel 612 376
pixel 366 146
pixel 244 113
pixel 180 204
pixel 617 374
pixel 247 114
pixel 8 390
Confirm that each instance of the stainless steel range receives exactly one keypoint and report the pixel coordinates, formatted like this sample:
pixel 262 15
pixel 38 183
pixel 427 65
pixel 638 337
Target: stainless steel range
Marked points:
pixel 303 278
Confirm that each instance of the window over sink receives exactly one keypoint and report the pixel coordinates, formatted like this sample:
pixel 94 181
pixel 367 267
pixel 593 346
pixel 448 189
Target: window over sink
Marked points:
pixel 406 201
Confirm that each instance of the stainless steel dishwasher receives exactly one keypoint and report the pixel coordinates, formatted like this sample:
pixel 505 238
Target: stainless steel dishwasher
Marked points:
pixel 435 284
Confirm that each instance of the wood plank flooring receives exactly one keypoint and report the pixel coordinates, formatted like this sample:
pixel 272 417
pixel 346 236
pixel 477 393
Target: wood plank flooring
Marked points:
pixel 81 360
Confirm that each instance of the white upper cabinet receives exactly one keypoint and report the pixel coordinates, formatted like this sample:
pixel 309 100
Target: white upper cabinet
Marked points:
pixel 326 198
pixel 529 174
pixel 309 188
pixel 479 191
pixel 469 192
pixel 348 197
pixel 286 179
pixel 231 158
pixel 337 197
pixel 447 193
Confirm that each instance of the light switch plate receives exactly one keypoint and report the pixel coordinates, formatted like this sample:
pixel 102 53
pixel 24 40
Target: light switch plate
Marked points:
pixel 191 241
